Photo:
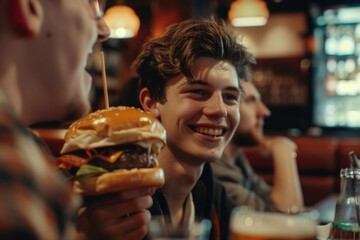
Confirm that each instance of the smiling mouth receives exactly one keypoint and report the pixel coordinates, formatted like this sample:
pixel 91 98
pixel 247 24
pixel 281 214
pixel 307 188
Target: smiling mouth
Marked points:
pixel 213 132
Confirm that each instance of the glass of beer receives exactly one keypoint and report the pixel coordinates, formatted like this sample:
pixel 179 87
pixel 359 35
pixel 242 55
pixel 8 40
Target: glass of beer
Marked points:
pixel 247 224
pixel 160 230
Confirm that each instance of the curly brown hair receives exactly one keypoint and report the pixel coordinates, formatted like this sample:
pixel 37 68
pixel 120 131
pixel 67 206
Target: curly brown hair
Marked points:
pixel 181 46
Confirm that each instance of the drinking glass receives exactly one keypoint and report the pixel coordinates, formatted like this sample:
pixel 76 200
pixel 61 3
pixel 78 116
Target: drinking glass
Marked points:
pixel 159 230
pixel 248 224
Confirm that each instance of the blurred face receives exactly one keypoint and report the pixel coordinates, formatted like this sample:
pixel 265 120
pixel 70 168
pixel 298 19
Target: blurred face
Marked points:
pixel 201 114
pixel 68 34
pixel 252 111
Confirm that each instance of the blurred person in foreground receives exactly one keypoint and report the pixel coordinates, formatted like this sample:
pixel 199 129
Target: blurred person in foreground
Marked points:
pixel 190 80
pixel 240 179
pixel 44 46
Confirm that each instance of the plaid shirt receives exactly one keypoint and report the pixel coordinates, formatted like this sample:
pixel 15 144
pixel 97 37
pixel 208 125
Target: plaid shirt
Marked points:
pixel 35 202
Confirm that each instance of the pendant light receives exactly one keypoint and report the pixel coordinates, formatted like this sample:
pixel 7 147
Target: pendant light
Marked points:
pixel 248 13
pixel 122 21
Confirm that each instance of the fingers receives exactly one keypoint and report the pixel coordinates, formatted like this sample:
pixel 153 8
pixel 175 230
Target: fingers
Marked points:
pixel 132 227
pixel 109 213
pixel 117 216
pixel 133 193
pixel 118 196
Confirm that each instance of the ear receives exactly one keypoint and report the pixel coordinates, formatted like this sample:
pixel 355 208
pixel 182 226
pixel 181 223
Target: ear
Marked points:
pixel 25 17
pixel 148 103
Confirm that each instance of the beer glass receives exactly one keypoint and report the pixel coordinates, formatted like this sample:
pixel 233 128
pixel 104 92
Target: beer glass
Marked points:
pixel 159 230
pixel 247 224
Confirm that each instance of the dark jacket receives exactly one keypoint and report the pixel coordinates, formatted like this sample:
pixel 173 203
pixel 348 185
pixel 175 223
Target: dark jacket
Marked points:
pixel 210 201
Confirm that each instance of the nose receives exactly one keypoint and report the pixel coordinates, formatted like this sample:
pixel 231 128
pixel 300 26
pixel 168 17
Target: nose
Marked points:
pixel 103 30
pixel 264 111
pixel 215 106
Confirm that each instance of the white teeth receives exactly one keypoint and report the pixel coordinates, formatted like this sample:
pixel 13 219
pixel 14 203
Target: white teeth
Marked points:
pixel 209 131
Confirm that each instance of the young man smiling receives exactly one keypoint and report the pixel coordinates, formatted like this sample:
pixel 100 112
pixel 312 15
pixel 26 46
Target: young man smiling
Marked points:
pixel 190 80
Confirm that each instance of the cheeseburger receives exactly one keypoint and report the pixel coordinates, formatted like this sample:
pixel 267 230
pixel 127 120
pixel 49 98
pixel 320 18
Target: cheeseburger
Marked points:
pixel 113 149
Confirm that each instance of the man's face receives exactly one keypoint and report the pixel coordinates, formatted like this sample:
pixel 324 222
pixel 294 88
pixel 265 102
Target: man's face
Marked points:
pixel 201 114
pixel 68 34
pixel 252 111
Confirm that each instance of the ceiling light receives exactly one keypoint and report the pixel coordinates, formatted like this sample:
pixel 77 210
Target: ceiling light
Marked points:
pixel 248 13
pixel 122 21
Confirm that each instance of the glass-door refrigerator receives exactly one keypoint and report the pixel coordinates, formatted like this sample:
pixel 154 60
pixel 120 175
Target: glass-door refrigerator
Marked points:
pixel 336 68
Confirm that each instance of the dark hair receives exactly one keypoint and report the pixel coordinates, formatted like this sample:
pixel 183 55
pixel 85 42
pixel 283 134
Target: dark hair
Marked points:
pixel 181 46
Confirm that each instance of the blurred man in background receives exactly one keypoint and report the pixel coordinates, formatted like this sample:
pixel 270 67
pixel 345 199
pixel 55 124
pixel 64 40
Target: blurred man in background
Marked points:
pixel 239 178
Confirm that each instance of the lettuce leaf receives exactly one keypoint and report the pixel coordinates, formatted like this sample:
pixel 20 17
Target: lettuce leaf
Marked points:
pixel 87 171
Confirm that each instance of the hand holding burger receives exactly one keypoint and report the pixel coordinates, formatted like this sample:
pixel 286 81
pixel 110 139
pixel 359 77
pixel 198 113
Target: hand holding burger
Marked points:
pixel 112 150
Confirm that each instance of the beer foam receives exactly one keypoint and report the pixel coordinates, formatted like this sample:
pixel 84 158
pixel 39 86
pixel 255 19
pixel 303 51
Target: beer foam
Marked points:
pixel 274 225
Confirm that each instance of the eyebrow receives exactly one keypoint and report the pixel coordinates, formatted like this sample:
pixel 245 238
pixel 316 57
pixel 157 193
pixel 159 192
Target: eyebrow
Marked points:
pixel 249 97
pixel 203 83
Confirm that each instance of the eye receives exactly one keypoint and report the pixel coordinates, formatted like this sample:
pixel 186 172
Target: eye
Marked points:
pixel 200 92
pixel 231 97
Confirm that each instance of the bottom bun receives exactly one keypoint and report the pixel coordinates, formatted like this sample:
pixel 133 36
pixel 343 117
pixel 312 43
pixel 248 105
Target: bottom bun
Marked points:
pixel 120 180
